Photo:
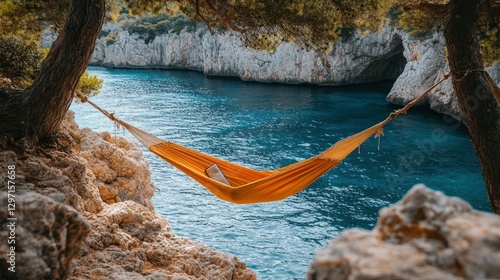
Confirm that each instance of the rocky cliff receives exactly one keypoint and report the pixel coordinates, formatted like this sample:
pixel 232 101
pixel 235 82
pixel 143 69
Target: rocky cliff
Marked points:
pixel 414 62
pixel 359 59
pixel 82 209
pixel 427 235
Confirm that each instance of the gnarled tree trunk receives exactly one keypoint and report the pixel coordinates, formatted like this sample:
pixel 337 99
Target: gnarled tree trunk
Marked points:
pixel 478 105
pixel 40 109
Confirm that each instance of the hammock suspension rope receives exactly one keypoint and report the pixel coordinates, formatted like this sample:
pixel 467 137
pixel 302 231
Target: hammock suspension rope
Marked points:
pixel 238 184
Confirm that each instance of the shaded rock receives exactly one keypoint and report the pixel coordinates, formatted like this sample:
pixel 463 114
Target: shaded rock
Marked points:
pixel 46 235
pixel 425 236
pixel 426 63
pixel 131 241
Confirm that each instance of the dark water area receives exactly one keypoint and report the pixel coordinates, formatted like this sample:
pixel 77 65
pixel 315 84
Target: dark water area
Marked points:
pixel 267 126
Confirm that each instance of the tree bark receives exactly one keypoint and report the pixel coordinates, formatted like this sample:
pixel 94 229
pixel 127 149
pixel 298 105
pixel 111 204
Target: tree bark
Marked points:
pixel 46 102
pixel 478 105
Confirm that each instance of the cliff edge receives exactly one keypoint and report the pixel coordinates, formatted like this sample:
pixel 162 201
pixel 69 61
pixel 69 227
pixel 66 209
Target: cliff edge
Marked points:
pixel 81 208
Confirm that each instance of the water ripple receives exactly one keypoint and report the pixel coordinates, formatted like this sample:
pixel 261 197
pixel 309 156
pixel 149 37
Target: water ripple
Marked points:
pixel 266 126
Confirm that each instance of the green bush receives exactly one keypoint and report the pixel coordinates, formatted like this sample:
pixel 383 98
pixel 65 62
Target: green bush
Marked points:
pixel 20 61
pixel 111 38
pixel 148 27
pixel 88 85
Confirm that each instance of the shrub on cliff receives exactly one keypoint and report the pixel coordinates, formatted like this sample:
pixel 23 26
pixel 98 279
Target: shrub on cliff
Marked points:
pixel 148 27
pixel 19 61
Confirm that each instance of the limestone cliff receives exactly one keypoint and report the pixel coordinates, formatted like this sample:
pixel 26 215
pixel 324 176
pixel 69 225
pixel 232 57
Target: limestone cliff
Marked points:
pixel 414 62
pixel 359 59
pixel 84 211
pixel 425 236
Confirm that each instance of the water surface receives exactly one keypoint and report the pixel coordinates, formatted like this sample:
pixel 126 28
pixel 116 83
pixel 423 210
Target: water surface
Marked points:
pixel 267 126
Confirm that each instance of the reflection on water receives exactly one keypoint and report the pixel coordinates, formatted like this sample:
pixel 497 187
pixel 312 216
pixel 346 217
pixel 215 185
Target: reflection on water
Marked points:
pixel 267 126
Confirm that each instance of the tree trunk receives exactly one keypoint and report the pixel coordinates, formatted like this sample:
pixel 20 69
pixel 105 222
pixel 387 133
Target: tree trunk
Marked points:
pixel 46 102
pixel 479 108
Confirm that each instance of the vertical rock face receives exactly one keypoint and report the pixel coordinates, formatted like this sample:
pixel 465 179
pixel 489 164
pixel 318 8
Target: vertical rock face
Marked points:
pixel 425 236
pixel 87 198
pixel 414 62
pixel 426 64
pixel 359 59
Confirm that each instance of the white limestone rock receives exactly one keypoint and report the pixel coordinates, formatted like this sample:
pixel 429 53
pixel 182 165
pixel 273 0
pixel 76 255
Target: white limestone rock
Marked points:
pixel 426 64
pixel 415 62
pixel 360 59
pixel 425 236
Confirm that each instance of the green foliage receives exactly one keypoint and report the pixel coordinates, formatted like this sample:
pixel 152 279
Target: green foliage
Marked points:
pixel 111 38
pixel 263 24
pixel 416 16
pixel 150 26
pixel 89 85
pixel 312 24
pixel 490 43
pixel 20 61
pixel 27 18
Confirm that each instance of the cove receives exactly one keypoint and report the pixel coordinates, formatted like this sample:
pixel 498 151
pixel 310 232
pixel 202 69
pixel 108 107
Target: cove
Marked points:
pixel 266 126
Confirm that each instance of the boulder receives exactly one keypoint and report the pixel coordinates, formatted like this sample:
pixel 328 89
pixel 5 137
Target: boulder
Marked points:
pixel 40 236
pixel 427 235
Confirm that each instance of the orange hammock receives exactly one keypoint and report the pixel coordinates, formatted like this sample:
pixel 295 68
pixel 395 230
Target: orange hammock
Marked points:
pixel 243 185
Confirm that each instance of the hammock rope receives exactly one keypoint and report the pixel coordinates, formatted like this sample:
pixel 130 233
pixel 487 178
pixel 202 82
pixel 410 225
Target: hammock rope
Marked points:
pixel 248 185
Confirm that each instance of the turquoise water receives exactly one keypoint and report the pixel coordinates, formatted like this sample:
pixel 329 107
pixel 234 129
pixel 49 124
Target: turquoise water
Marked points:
pixel 266 126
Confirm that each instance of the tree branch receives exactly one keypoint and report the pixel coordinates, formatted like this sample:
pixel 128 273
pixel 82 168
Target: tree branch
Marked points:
pixel 224 19
pixel 427 7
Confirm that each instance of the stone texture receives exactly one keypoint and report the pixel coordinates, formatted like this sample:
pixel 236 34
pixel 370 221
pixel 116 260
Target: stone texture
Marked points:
pixel 99 186
pixel 425 236
pixel 415 62
pixel 48 234
pixel 359 59
pixel 130 241
pixel 426 63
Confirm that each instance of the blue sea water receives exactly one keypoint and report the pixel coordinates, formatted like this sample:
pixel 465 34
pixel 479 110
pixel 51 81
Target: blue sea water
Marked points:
pixel 267 126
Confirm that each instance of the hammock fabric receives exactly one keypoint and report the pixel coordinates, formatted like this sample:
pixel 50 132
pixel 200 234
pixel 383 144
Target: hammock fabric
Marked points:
pixel 252 186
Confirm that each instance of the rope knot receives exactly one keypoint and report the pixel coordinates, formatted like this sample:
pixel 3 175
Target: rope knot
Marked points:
pixel 82 98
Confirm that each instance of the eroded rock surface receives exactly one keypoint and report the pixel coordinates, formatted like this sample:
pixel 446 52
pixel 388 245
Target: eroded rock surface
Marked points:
pixel 87 197
pixel 415 62
pixel 425 236
pixel 45 236
pixel 359 59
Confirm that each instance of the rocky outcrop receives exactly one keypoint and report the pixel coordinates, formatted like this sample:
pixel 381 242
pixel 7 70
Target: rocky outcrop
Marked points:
pixel 359 59
pixel 40 236
pixel 426 64
pixel 414 62
pixel 425 236
pixel 86 197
